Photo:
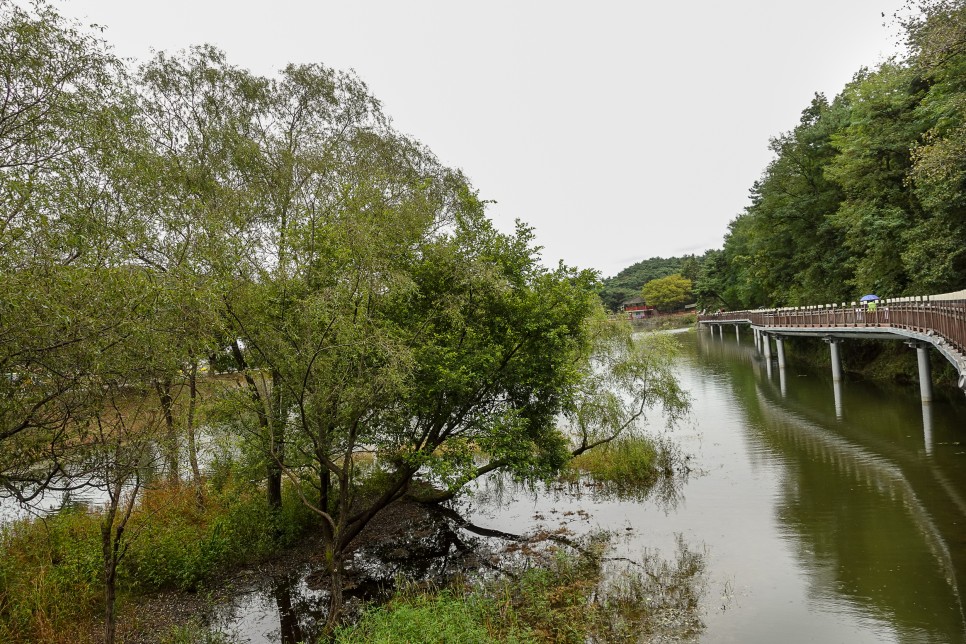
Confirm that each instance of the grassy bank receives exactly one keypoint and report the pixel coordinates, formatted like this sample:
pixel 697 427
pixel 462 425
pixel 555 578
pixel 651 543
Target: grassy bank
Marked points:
pixel 51 587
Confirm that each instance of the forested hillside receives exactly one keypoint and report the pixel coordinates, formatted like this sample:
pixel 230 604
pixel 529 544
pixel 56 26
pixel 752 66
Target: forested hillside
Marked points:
pixel 867 194
pixel 628 282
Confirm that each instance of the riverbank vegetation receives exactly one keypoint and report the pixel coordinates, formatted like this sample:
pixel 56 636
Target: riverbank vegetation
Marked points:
pixel 560 595
pixel 190 253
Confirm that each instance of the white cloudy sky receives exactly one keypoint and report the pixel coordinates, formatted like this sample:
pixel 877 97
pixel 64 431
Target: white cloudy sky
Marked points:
pixel 620 130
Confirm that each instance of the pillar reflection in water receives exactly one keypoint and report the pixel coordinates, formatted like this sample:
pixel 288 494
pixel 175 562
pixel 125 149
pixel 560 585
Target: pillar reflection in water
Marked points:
pixel 837 391
pixel 782 382
pixel 927 426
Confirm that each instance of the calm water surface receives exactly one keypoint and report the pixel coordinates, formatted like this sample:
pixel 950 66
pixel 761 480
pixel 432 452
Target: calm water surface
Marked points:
pixel 827 516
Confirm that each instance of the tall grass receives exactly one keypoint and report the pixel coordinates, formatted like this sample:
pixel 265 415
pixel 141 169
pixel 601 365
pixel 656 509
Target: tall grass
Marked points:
pixel 51 569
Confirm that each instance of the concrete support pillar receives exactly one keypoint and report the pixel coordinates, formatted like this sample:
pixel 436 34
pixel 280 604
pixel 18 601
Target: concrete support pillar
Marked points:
pixel 767 340
pixel 737 335
pixel 925 370
pixel 780 345
pixel 925 373
pixel 833 344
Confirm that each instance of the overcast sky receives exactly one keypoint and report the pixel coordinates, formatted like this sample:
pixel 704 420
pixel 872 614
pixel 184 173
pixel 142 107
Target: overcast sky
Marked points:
pixel 619 130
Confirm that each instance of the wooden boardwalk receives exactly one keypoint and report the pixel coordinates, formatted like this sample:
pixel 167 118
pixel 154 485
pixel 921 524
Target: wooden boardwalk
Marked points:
pixel 930 321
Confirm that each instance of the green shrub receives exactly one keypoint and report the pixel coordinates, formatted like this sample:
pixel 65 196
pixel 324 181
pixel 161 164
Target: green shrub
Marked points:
pixel 628 461
pixel 50 577
pixel 420 619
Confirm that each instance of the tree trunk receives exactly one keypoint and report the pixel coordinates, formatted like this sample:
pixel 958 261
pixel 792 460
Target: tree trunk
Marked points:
pixel 192 444
pixel 268 426
pixel 276 445
pixel 274 485
pixel 171 437
pixel 110 578
pixel 333 558
pixel 110 620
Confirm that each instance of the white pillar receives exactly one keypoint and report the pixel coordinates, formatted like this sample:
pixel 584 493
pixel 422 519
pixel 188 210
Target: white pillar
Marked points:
pixel 833 344
pixel 925 372
pixel 780 344
pixel 737 335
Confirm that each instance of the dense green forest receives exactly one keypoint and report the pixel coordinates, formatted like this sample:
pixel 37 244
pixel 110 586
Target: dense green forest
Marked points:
pixel 868 193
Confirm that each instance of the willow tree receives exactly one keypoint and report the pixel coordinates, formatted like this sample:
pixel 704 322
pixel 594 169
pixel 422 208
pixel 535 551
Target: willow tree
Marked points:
pixel 63 123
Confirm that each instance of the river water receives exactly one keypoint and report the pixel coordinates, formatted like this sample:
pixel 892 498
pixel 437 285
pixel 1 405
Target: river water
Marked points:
pixel 826 514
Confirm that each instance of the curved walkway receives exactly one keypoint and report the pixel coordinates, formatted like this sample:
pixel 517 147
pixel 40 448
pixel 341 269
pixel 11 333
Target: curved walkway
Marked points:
pixel 934 321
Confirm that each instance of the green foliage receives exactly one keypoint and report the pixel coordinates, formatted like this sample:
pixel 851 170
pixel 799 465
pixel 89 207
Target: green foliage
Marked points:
pixel 667 293
pixel 443 618
pixel 866 194
pixel 50 576
pixel 369 305
pixel 182 545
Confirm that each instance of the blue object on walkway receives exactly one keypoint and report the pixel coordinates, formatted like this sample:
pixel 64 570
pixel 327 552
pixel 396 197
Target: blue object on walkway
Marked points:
pixel 869 298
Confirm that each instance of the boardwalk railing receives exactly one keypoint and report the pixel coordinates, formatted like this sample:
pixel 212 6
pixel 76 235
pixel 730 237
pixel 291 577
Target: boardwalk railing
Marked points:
pixel 944 318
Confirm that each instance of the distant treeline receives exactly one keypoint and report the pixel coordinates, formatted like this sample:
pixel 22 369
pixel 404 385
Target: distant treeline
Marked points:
pixel 866 195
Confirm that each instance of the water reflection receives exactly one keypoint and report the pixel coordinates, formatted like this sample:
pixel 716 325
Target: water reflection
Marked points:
pixel 872 507
pixel 837 393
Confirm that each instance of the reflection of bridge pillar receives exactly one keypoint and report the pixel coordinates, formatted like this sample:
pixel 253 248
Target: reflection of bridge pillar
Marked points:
pixel 782 381
pixel 925 370
pixel 927 426
pixel 737 335
pixel 780 345
pixel 833 344
pixel 837 393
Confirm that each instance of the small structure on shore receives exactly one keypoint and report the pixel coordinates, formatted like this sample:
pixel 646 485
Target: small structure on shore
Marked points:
pixel 637 309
